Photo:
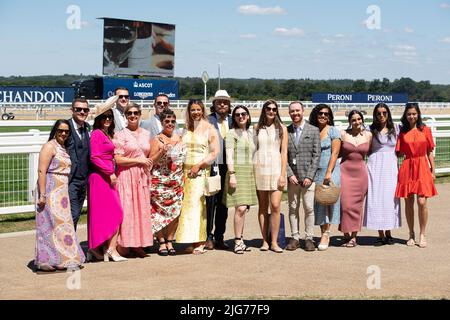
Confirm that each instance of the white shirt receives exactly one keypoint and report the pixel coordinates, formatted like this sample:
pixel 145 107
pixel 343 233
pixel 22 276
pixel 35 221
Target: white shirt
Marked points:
pixel 299 130
pixel 120 122
pixel 77 128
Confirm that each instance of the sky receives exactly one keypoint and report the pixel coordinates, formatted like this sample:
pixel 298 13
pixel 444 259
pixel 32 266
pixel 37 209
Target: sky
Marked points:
pixel 291 39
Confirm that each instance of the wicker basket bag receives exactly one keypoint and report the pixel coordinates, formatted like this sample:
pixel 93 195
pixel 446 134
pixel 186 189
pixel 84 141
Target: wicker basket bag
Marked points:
pixel 327 194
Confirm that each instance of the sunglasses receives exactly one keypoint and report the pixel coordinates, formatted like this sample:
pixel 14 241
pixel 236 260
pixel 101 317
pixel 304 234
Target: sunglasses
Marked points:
pixel 324 114
pixel 382 113
pixel 78 109
pixel 271 109
pixel 66 131
pixel 170 121
pixel 240 114
pixel 133 113
pixel 124 96
pixel 161 103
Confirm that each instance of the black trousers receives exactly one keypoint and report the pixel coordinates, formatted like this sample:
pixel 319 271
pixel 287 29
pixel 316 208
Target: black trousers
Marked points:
pixel 217 213
pixel 77 194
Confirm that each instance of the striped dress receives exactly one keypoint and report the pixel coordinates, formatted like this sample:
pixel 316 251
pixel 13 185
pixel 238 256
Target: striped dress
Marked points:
pixel 242 149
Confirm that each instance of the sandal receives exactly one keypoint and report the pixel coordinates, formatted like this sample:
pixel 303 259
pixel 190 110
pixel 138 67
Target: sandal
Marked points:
pixel 423 242
pixel 171 251
pixel 162 251
pixel 264 247
pixel 321 246
pixel 199 250
pixel 411 242
pixel 352 243
pixel 389 240
pixel 239 246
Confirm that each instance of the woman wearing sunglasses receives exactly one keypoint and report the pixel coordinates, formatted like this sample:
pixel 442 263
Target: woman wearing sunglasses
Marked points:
pixel 105 211
pixel 382 211
pixel 329 170
pixel 167 153
pixel 132 149
pixel 57 246
pixel 239 191
pixel 271 139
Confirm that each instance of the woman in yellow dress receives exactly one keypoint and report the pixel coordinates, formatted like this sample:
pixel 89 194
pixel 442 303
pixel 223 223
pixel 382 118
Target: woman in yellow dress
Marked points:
pixel 202 146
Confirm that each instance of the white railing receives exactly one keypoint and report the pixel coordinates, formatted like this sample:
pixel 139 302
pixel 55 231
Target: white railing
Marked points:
pixel 19 155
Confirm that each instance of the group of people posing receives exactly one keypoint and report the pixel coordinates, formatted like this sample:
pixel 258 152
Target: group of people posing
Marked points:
pixel 146 180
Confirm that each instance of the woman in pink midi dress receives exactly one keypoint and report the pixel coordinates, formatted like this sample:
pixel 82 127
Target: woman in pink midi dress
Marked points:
pixel 133 183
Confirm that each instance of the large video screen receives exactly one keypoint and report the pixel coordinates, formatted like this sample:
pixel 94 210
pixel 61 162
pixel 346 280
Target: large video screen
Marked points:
pixel 138 48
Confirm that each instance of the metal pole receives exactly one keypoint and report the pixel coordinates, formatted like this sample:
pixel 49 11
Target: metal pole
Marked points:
pixel 219 75
pixel 204 101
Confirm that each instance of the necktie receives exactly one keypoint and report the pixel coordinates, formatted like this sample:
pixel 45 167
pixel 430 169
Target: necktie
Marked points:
pixel 223 129
pixel 297 135
pixel 81 131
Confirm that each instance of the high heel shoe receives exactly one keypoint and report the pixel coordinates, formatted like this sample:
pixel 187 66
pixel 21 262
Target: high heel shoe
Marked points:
pixel 92 255
pixel 323 247
pixel 116 258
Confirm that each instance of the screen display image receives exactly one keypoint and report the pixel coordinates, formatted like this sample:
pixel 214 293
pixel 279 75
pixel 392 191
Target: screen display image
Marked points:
pixel 138 48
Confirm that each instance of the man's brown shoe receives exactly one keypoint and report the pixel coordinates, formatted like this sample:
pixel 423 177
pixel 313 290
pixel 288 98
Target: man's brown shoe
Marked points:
pixel 293 244
pixel 209 244
pixel 220 245
pixel 309 245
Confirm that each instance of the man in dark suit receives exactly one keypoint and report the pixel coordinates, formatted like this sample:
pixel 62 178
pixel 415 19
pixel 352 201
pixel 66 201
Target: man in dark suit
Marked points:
pixel 79 151
pixel 217 213
pixel 303 162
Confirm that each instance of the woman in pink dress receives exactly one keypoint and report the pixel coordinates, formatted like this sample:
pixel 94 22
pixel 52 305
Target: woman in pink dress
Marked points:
pixel 133 183
pixel 105 211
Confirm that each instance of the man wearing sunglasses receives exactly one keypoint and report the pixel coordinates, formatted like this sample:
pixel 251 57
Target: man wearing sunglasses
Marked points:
pixel 153 124
pixel 78 147
pixel 217 212
pixel 120 121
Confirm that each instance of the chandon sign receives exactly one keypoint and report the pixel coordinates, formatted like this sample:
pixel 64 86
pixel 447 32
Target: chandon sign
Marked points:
pixel 36 94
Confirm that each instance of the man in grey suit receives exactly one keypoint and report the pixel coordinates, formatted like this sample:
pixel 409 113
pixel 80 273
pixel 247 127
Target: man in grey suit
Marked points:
pixel 153 124
pixel 303 161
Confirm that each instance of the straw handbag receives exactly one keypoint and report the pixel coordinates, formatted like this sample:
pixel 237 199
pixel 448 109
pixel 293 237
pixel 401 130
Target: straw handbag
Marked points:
pixel 212 185
pixel 327 194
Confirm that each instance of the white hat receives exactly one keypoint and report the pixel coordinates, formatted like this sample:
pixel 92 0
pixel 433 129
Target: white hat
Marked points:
pixel 105 106
pixel 222 95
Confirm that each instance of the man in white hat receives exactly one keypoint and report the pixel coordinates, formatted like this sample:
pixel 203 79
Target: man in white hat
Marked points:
pixel 217 213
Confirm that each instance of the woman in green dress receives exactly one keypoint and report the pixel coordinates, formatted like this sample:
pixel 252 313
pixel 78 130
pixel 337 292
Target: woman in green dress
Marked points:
pixel 240 188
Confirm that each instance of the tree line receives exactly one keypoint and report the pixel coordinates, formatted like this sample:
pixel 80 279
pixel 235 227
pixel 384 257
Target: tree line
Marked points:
pixel 262 89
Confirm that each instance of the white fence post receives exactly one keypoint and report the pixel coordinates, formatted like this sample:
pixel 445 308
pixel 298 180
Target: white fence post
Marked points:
pixel 33 163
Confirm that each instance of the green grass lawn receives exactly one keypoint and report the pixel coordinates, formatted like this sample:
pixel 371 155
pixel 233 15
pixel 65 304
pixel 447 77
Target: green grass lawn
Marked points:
pixel 23 129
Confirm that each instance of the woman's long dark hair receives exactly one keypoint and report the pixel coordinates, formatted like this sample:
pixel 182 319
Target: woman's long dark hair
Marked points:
pixel 375 127
pixel 55 127
pixel 405 124
pixel 98 125
pixel 262 122
pixel 313 116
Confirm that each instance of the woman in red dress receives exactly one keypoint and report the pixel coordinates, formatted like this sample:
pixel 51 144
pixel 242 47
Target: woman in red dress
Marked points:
pixel 416 174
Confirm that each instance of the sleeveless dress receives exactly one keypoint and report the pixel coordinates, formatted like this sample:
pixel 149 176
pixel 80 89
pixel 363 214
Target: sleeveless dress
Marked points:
pixel 167 187
pixel 105 211
pixel 192 223
pixel 332 213
pixel 56 240
pixel 243 149
pixel 133 184
pixel 354 180
pixel 382 207
pixel 414 176
pixel 267 160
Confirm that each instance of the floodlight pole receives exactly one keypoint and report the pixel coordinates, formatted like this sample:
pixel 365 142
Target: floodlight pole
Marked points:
pixel 219 75
pixel 205 79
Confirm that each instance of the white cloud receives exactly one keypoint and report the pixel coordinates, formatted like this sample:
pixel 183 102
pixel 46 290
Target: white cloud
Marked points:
pixel 404 47
pixel 445 6
pixel 253 9
pixel 408 30
pixel 327 41
pixel 339 35
pixel 293 32
pixel 405 53
pixel 248 36
pixel 445 40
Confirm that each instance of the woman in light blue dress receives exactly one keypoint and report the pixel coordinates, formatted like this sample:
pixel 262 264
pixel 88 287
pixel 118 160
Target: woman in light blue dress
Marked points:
pixel 322 117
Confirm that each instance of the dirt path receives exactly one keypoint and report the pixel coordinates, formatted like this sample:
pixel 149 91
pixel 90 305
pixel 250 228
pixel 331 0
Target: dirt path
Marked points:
pixel 405 272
